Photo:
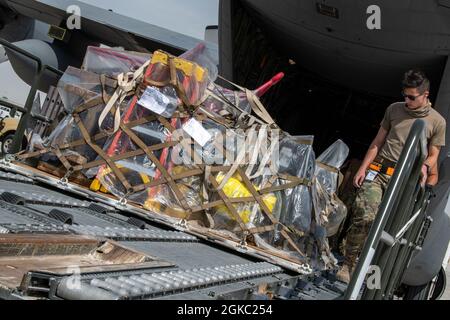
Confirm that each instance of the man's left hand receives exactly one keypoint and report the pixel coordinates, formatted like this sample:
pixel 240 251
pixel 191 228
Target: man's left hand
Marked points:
pixel 424 175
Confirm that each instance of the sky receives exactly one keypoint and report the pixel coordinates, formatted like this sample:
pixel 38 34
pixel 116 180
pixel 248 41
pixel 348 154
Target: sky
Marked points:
pixel 188 17
pixel 185 16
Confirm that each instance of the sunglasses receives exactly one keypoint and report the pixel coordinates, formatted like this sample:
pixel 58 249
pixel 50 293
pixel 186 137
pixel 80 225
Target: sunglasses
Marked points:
pixel 410 97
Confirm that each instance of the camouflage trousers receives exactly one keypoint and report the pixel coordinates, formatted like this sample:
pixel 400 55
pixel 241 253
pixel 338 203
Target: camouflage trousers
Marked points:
pixel 363 212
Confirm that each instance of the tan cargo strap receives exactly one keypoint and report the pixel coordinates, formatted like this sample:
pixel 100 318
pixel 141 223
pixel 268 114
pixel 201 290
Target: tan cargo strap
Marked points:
pixel 221 121
pixel 209 92
pixel 255 145
pixel 234 168
pixel 124 155
pixel 86 95
pixel 236 164
pixel 269 183
pixel 266 210
pixel 127 83
pixel 179 214
pixel 166 124
pixel 183 175
pixel 212 204
pixel 80 142
pixel 33 154
pixel 261 229
pixel 178 194
pixel 101 153
pixel 93 102
pixel 205 185
pixel 256 105
pixel 327 167
pixel 244 117
pixel 227 203
pixel 294 181
pixel 291 242
pixel 63 159
pixel 124 85
pixel 174 82
pixel 304 141
pixel 256 195
pixel 265 159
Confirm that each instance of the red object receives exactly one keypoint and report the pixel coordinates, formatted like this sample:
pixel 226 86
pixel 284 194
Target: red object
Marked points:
pixel 110 53
pixel 191 53
pixel 126 117
pixel 266 86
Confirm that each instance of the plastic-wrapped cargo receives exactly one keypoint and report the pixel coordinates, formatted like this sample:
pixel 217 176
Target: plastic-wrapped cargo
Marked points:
pixel 156 101
pixel 77 87
pixel 330 161
pixel 331 209
pixel 297 159
pixel 112 61
pixel 161 135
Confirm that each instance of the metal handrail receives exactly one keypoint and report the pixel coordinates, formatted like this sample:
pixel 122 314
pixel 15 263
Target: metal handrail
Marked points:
pixel 15 107
pixel 396 206
pixel 412 237
pixel 26 111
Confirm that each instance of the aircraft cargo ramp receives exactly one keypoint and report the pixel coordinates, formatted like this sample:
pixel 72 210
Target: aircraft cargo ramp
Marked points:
pixel 116 256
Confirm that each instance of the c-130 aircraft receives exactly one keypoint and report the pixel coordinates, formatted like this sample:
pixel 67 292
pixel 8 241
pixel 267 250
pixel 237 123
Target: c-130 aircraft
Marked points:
pixel 335 62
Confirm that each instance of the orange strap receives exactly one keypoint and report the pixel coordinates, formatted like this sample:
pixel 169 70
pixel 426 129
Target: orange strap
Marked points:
pixel 378 167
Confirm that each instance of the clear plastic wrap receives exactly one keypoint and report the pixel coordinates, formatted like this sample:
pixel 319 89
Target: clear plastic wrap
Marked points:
pixel 223 101
pixel 163 101
pixel 162 199
pixel 330 210
pixel 249 212
pixel 140 169
pixel 76 87
pixel 273 242
pixel 111 61
pixel 296 158
pixel 334 156
pixel 192 78
pixel 299 218
pixel 201 56
pixel 337 217
pixel 35 143
pixel 139 166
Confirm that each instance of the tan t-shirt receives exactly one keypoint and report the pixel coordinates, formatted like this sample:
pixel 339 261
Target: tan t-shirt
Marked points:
pixel 398 123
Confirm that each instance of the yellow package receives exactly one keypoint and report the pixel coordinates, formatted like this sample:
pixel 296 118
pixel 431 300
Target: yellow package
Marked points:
pixel 234 188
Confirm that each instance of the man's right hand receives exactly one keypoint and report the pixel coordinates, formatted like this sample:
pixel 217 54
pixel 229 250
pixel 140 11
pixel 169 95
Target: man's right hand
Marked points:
pixel 359 178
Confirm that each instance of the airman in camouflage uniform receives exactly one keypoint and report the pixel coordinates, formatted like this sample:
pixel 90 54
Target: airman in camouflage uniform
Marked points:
pixel 364 210
pixel 385 150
